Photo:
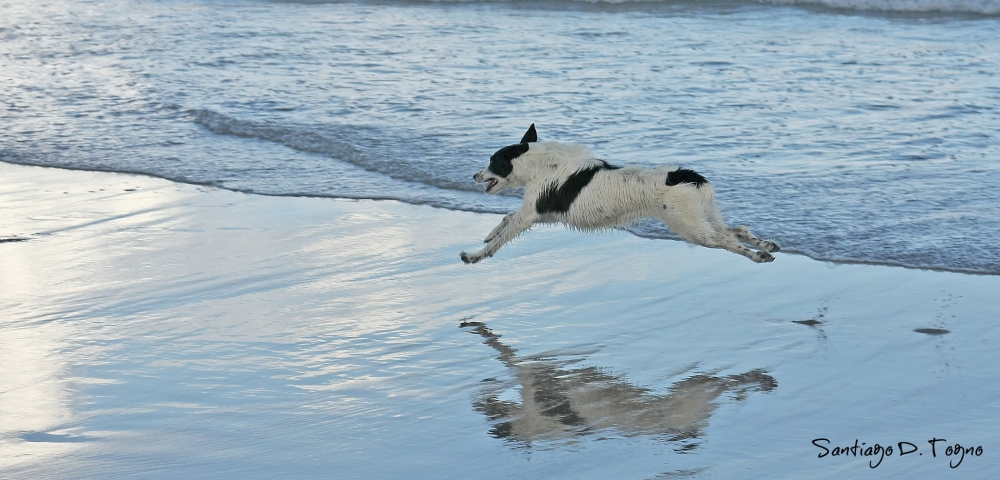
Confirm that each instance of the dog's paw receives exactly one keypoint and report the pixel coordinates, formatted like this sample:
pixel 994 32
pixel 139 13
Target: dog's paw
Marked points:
pixel 772 246
pixel 470 258
pixel 763 257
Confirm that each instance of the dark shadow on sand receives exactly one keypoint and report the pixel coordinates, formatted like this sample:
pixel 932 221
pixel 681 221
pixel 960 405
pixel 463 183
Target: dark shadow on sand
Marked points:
pixel 932 331
pixel 54 438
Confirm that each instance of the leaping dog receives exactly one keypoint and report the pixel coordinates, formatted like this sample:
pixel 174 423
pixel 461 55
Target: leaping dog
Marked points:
pixel 565 183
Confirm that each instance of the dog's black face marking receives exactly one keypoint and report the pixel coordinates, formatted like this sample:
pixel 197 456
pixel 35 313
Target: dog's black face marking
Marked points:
pixel 683 175
pixel 558 199
pixel 500 162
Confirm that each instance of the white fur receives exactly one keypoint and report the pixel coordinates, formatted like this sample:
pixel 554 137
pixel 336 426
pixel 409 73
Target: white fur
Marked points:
pixel 612 199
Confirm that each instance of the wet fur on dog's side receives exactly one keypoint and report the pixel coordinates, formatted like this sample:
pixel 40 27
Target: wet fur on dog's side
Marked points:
pixel 565 183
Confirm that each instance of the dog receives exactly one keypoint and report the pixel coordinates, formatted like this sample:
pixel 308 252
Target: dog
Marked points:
pixel 565 183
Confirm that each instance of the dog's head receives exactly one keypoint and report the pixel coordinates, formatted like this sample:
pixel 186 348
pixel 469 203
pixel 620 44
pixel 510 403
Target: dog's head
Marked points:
pixel 498 174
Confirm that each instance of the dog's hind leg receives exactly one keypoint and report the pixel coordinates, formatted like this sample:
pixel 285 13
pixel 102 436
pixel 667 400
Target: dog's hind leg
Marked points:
pixel 763 256
pixel 729 241
pixel 699 230
pixel 516 224
pixel 744 235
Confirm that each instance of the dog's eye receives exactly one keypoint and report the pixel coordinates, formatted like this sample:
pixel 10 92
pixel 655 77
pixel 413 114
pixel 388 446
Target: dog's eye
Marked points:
pixel 501 165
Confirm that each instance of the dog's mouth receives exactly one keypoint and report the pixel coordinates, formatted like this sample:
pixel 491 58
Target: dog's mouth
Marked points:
pixel 490 183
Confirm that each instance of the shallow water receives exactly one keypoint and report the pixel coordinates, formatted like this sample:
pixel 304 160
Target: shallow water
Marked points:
pixel 157 330
pixel 865 134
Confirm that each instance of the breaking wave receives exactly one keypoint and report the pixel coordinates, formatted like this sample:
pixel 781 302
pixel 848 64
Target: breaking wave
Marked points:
pixel 976 7
pixel 982 7
pixel 365 147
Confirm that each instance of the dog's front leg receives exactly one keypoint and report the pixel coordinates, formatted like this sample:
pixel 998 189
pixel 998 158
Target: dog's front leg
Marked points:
pixel 496 231
pixel 512 226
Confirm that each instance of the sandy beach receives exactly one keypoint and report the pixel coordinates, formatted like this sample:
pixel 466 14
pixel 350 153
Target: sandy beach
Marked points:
pixel 152 329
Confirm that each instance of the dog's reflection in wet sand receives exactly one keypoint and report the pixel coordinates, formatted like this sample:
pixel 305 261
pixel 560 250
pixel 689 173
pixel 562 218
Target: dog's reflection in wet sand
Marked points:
pixel 559 402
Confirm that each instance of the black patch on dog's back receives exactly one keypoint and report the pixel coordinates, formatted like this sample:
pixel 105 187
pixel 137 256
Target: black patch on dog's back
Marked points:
pixel 558 199
pixel 500 162
pixel 683 175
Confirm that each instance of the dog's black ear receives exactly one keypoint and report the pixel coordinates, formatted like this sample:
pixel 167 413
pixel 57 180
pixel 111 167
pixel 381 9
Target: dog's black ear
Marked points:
pixel 530 136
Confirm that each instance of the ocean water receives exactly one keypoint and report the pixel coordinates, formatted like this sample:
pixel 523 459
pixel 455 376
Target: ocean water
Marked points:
pixel 849 130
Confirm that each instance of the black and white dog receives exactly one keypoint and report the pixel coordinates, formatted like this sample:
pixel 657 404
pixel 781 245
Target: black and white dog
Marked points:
pixel 566 184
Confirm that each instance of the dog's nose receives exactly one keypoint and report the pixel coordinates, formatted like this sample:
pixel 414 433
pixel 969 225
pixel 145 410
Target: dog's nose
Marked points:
pixel 475 177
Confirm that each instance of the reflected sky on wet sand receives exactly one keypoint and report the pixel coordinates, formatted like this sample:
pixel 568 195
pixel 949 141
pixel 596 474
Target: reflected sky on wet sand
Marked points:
pixel 152 329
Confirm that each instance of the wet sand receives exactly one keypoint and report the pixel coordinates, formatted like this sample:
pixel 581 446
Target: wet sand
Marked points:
pixel 154 329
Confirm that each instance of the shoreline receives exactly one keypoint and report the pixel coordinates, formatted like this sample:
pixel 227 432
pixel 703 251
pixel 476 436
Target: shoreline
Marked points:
pixel 785 249
pixel 167 329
